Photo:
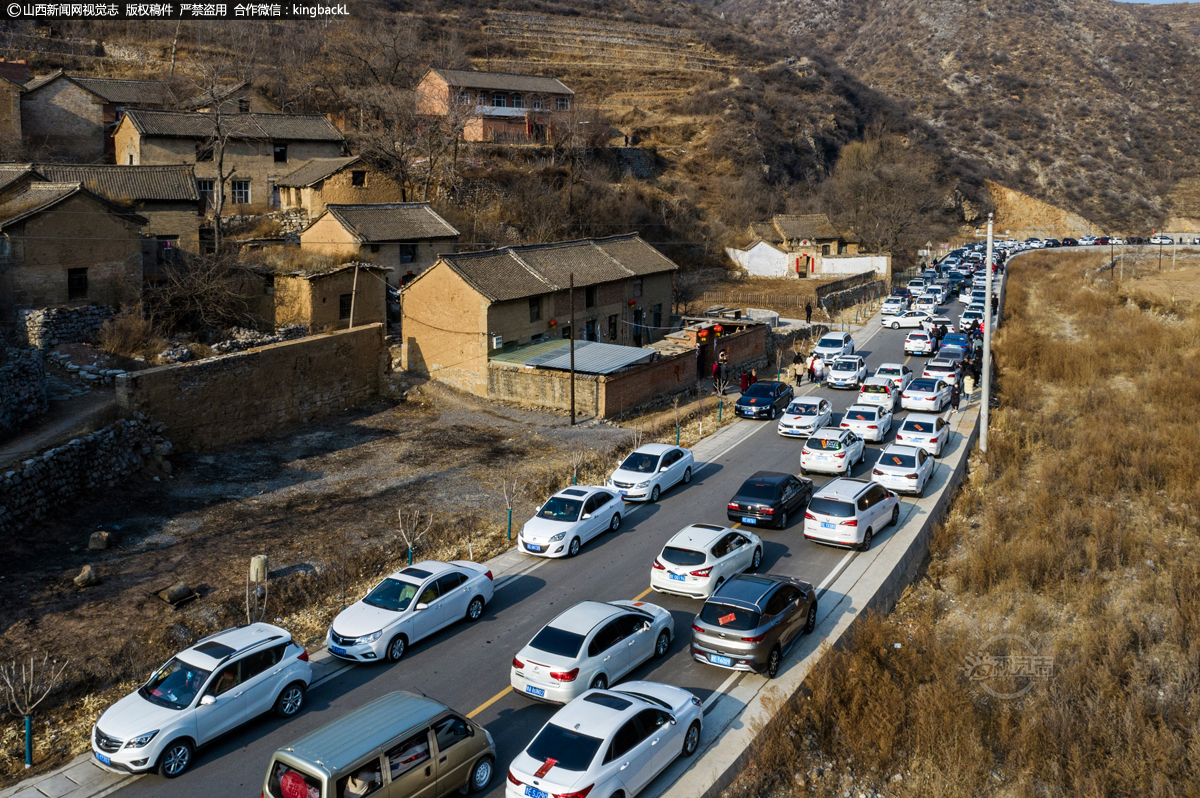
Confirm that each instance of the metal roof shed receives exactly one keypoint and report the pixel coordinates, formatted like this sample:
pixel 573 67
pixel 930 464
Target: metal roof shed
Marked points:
pixel 593 357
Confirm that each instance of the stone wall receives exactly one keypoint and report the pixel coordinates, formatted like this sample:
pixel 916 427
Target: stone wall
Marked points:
pixel 223 400
pixel 47 327
pixel 22 389
pixel 544 388
pixel 854 296
pixel 59 475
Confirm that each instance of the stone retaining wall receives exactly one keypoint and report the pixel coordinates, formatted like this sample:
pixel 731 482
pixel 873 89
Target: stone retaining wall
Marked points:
pixel 61 474
pixel 47 327
pixel 22 389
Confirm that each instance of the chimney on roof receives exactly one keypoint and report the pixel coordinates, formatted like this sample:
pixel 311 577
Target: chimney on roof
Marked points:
pixel 17 71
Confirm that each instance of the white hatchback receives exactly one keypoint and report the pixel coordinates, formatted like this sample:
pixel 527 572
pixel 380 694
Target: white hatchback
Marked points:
pixel 650 470
pixel 919 343
pixel 805 416
pixel 903 469
pixel 926 394
pixel 848 512
pixel 900 374
pixel 700 557
pixel 880 392
pixel 834 345
pixel 929 432
pixel 570 518
pixel 939 369
pixel 870 422
pixel 589 646
pixel 831 451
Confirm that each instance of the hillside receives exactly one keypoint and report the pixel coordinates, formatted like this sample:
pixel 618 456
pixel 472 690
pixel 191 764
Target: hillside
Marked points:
pixel 1084 103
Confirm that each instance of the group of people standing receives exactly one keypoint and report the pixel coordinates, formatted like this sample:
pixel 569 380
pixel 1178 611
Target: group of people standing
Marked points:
pixel 721 371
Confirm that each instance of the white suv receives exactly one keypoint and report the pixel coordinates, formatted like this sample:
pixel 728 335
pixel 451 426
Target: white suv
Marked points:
pixel 848 512
pixel 221 682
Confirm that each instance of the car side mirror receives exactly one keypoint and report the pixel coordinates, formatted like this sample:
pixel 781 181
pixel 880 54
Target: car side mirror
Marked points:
pixel 671 720
pixel 645 627
pixel 586 516
pixel 208 700
pixel 663 469
pixel 421 606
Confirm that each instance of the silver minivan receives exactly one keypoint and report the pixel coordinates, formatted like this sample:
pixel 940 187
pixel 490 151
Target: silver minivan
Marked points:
pixel 398 746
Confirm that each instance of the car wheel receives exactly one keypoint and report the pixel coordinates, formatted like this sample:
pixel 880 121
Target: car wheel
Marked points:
pixel 774 410
pixel 691 741
pixel 895 325
pixel 615 523
pixel 687 476
pixel 866 544
pixel 573 549
pixel 654 494
pixel 757 560
pixel 475 609
pixel 599 683
pixel 662 644
pixel 395 648
pixel 290 700
pixel 481 775
pixel 783 519
pixel 811 622
pixel 175 759
pixel 773 661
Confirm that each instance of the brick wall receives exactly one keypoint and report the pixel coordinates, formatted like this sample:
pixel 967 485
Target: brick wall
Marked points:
pixel 629 389
pixel 223 400
pixel 10 116
pixel 65 118
pixel 544 388
pixel 22 389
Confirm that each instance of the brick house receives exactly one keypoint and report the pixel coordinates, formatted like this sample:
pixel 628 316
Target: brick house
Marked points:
pixel 460 309
pixel 240 98
pixel 339 181
pixel 10 116
pixel 323 299
pixel 406 237
pixel 795 246
pixel 61 244
pixel 260 149
pixel 496 106
pixel 75 116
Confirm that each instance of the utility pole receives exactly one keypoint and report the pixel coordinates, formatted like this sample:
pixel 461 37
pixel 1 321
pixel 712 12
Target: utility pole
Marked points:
pixel 572 345
pixel 986 403
pixel 1160 252
pixel 354 295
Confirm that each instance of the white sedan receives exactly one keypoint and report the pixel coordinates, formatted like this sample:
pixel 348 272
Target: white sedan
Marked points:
pixel 937 321
pixel 903 469
pixel 900 374
pixel 870 422
pixel 570 518
pixel 608 742
pixel 909 318
pixel 651 469
pixel 832 451
pixel 927 304
pixel 805 416
pixel 700 557
pixel 939 369
pixel 589 646
pixel 892 306
pixel 834 345
pixel 923 394
pixel 409 605
pixel 919 343
pixel 927 431
pixel 970 319
pixel 880 392
pixel 847 371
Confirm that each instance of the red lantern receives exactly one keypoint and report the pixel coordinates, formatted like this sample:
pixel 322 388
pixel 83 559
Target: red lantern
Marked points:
pixel 702 334
pixel 718 329
pixel 632 302
pixel 553 322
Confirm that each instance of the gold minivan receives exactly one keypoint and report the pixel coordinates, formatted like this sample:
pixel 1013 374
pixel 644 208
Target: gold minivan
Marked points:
pixel 398 746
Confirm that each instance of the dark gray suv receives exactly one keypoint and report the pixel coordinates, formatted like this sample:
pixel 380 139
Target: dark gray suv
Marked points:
pixel 751 622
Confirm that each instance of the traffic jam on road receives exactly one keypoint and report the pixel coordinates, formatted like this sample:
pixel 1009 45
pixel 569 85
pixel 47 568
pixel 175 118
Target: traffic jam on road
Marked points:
pixel 544 653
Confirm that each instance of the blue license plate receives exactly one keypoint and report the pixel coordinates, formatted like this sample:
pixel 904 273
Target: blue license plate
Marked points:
pixel 534 792
pixel 716 660
pixel 532 547
pixel 341 652
pixel 106 760
pixel 677 577
pixel 624 492
pixel 537 691
pixel 827 525
pixel 748 520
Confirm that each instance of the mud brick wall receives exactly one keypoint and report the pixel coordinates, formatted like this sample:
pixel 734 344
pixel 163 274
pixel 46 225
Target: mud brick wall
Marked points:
pixel 223 400
pixel 47 327
pixel 59 475
pixel 544 388
pixel 22 389
pixel 626 390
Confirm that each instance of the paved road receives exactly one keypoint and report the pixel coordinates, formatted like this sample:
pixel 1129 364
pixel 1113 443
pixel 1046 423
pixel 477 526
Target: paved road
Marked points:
pixel 467 667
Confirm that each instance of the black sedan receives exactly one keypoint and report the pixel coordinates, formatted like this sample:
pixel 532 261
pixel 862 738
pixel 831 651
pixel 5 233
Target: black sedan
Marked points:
pixel 764 400
pixel 768 497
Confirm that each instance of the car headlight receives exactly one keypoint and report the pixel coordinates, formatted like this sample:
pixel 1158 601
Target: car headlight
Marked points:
pixel 644 484
pixel 559 536
pixel 142 740
pixel 371 638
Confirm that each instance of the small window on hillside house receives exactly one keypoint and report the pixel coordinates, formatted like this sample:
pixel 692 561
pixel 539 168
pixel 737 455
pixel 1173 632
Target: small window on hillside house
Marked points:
pixel 408 253
pixel 344 305
pixel 204 151
pixel 358 178
pixel 537 104
pixel 518 101
pixel 612 327
pixel 824 249
pixel 589 296
pixel 241 192
pixel 464 97
pixel 243 106
pixel 375 248
pixel 499 100
pixel 637 287
pixel 280 153
pixel 562 104
pixel 204 188
pixel 166 250
pixel 535 309
pixel 77 285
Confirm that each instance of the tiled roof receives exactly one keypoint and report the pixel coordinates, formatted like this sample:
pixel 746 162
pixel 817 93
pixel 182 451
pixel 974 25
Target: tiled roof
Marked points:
pixel 810 226
pixel 315 171
pixel 37 197
pixel 37 83
pixel 517 272
pixel 765 231
pixel 502 81
pixel 391 221
pixel 193 125
pixel 128 92
pixel 12 172
pixel 176 182
pixel 211 97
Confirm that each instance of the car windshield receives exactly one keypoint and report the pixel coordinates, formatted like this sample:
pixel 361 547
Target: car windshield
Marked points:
pixel 830 343
pixel 560 509
pixel 392 594
pixel 923 385
pixel 756 489
pixel 640 462
pixel 917 426
pixel 833 507
pixel 557 641
pixel 759 389
pixel 875 389
pixel 861 415
pixel 802 409
pixel 677 556
pixel 174 685
pixel 568 749
pixel 898 460
pixel 845 365
pixel 725 616
pixel 823 444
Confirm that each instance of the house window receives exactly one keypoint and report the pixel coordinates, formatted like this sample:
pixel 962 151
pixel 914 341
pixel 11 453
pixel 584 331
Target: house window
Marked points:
pixel 537 104
pixel 358 178
pixel 589 296
pixel 166 250
pixel 375 249
pixel 499 100
pixel 243 106
pixel 637 286
pixel 841 248
pixel 204 151
pixel 344 305
pixel 77 288
pixel 535 309
pixel 129 159
pixel 562 104
pixel 657 311
pixel 612 327
pixel 518 101
pixel 204 188
pixel 280 153
pixel 464 98
pixel 269 283
pixel 241 192
pixel 408 253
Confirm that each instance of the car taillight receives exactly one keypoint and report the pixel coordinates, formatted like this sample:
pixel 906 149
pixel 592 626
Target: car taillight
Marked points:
pixel 696 628
pixel 659 566
pixel 872 426
pixel 565 676
pixel 577 794
pixel 810 516
pixel 733 506
pixel 303 656
pixel 840 456
pixel 845 423
pixel 701 572
pixel 911 476
pixel 758 639
pixel 851 522
pixel 513 779
pixel 767 511
pixel 518 664
pixel 877 471
pixel 899 437
pixel 490 577
pixel 933 440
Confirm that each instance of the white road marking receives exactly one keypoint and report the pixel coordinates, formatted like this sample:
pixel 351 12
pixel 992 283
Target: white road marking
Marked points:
pixel 837 569
pixel 720 691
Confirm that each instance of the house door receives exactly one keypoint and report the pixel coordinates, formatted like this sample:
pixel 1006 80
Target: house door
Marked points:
pixel 590 331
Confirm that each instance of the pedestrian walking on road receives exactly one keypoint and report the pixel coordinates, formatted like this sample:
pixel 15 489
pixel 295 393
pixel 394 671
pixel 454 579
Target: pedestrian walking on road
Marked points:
pixel 744 381
pixel 955 396
pixel 808 313
pixel 969 385
pixel 818 372
pixel 716 374
pixel 723 371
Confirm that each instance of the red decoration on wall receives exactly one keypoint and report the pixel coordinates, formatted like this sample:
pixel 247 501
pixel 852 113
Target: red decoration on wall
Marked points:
pixel 632 302
pixel 718 329
pixel 553 322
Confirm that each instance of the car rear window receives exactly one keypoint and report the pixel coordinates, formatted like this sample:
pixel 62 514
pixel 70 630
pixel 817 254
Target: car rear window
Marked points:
pixel 677 556
pixel 724 616
pixel 875 389
pixel 898 460
pixel 557 641
pixel 569 749
pixel 823 444
pixel 861 415
pixel 837 509
pixel 917 426
pixel 287 781
pixel 923 385
pixel 887 372
pixel 918 336
pixel 754 489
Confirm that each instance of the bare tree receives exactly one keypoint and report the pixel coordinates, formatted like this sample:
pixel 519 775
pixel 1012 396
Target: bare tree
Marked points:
pixel 204 292
pixel 637 431
pixel 26 686
pixel 579 457
pixel 411 529
pixel 511 490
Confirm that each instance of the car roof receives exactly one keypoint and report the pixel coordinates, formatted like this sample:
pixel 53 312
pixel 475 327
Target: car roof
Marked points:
pixel 808 400
pixel 748 589
pixel 578 492
pixel 863 409
pixel 215 649
pixel 928 418
pixel 767 476
pixel 653 448
pixel 939 363
pixel 828 433
pixel 842 488
pixel 585 616
pixel 873 380
pixel 891 365
pixel 897 448
pixel 430 567
pixel 598 719
pixel 699 536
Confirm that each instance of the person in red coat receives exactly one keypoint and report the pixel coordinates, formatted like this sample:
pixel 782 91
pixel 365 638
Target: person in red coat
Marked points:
pixel 745 381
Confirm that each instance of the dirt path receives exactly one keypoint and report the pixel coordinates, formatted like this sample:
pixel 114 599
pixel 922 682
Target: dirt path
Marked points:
pixel 65 420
